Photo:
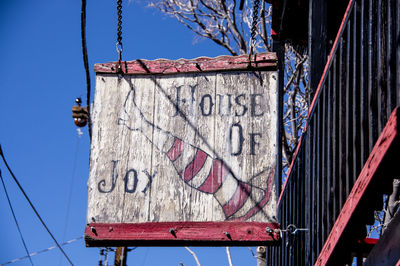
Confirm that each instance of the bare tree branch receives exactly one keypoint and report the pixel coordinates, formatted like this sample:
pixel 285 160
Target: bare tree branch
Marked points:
pixel 194 256
pixel 228 253
pixel 393 204
pixel 222 22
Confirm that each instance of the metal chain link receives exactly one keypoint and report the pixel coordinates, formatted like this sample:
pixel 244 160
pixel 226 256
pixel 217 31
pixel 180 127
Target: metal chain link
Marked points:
pixel 256 7
pixel 119 31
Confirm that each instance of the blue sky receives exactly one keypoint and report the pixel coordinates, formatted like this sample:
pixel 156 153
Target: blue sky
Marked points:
pixel 41 73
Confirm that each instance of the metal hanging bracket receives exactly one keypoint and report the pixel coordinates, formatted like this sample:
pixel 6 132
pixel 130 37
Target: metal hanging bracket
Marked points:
pixel 291 229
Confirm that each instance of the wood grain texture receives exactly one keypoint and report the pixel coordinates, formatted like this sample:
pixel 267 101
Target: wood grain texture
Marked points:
pixel 197 65
pixel 181 233
pixel 184 147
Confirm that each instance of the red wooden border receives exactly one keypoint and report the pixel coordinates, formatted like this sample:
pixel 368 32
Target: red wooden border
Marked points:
pixel 387 140
pixel 181 234
pixel 201 64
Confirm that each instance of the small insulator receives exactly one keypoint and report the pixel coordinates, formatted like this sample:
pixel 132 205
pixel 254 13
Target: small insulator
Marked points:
pixel 78 101
pixel 80 122
pixel 79 114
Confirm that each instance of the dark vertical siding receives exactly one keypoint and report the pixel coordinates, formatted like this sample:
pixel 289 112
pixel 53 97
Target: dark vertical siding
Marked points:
pixel 360 90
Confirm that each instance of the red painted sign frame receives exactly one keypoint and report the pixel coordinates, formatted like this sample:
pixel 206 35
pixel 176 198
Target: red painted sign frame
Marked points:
pixel 182 234
pixel 262 61
pixel 221 233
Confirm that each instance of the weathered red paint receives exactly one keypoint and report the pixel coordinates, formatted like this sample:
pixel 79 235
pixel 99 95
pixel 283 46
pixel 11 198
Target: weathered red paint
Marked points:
pixel 194 167
pixel 202 64
pixel 175 150
pixel 296 152
pixel 318 92
pixel 387 140
pixel 330 57
pixel 216 177
pixel 182 233
pixel 238 199
pixel 263 202
pixel 368 241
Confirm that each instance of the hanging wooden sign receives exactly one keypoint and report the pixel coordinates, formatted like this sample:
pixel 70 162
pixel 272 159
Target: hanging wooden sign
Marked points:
pixel 184 152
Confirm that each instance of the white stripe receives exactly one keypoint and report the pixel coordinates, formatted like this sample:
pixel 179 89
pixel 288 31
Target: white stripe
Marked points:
pixel 185 158
pixel 255 197
pixel 169 143
pixel 202 175
pixel 227 189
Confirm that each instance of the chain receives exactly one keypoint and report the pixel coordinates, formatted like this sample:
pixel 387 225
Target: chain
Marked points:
pixel 256 7
pixel 86 64
pixel 119 33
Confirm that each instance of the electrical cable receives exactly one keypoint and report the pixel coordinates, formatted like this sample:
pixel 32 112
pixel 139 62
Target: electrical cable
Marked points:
pixel 86 64
pixel 15 218
pixel 41 251
pixel 33 208
pixel 71 186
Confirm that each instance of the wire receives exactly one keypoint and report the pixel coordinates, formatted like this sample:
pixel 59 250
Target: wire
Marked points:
pixel 42 251
pixel 15 218
pixel 33 207
pixel 86 64
pixel 71 186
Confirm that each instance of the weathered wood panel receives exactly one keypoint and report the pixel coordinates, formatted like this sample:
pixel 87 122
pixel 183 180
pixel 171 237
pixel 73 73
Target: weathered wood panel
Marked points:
pixel 185 147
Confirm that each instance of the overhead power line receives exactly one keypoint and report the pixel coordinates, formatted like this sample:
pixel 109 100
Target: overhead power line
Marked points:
pixel 33 207
pixel 15 218
pixel 86 64
pixel 41 251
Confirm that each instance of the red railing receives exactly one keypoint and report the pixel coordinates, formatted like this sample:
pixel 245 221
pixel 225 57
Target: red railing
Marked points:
pixel 356 94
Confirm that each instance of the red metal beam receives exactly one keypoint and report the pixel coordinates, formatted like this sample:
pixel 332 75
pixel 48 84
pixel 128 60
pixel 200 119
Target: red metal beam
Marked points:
pixel 202 64
pixel 388 140
pixel 364 246
pixel 318 91
pixel 368 241
pixel 182 234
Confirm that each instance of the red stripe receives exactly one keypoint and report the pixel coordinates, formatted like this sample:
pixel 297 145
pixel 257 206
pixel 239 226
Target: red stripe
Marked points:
pixel 380 157
pixel 319 88
pixel 215 178
pixel 194 167
pixel 239 198
pixel 176 150
pixel 264 201
pixel 291 168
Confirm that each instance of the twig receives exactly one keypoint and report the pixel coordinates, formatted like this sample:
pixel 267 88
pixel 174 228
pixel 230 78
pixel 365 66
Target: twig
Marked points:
pixel 228 253
pixel 194 256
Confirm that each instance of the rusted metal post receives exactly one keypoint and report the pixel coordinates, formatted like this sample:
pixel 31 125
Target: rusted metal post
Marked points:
pixel 121 256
